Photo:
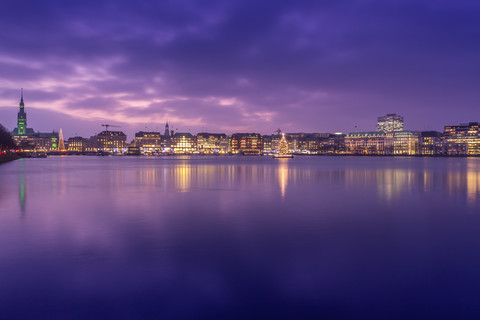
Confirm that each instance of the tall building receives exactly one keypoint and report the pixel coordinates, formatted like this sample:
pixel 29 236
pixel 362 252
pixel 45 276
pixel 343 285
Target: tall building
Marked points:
pixel 21 129
pixel 390 123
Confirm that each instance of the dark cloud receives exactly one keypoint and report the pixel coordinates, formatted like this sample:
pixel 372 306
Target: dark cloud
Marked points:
pixel 301 65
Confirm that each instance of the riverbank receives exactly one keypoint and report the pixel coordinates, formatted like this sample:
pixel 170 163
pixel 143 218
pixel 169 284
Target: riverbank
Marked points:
pixel 4 158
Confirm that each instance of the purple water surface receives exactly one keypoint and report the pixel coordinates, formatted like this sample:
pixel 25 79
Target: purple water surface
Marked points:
pixel 240 238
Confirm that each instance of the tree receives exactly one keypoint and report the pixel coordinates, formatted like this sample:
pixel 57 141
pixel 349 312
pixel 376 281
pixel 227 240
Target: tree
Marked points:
pixel 6 141
pixel 283 147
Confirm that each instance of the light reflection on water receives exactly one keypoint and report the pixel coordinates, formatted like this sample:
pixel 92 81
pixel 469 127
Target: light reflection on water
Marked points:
pixel 180 237
pixel 187 176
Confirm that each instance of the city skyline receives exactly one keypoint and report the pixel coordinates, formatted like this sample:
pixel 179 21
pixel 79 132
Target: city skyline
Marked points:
pixel 385 119
pixel 390 138
pixel 237 66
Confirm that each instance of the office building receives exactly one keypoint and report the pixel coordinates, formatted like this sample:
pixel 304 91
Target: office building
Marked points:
pixel 390 123
pixel 405 143
pixel 431 143
pixel 463 139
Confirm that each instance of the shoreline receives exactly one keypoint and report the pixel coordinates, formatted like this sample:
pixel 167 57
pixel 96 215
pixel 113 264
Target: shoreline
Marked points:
pixel 269 155
pixel 8 157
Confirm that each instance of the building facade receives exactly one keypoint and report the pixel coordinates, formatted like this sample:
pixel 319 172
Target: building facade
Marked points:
pixel 431 143
pixel 77 144
pixel 365 143
pixel 212 142
pixel 109 141
pixel 333 144
pixel 405 143
pixel 148 142
pixel 183 143
pixel 463 139
pixel 246 143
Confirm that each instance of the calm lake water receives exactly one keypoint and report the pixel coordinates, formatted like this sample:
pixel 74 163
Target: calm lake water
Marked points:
pixel 240 238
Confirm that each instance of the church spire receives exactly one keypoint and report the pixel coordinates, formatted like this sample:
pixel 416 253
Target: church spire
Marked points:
pixel 21 119
pixel 167 130
pixel 21 100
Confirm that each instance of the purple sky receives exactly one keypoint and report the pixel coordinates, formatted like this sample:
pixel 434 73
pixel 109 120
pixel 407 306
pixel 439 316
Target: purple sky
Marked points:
pixel 234 66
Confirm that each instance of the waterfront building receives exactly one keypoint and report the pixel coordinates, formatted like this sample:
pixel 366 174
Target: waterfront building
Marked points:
pixel 271 143
pixel 463 139
pixel 365 143
pixel 109 141
pixel 390 123
pixel 302 142
pixel 183 143
pixel 148 142
pixel 212 142
pixel 45 141
pixel 294 141
pixel 275 142
pixel 431 143
pixel 246 143
pixel 267 143
pixel 38 142
pixel 77 144
pixel 405 143
pixel 333 144
pixel 29 140
pixel 310 144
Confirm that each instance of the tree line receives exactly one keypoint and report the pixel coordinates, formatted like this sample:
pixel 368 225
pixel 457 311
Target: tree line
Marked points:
pixel 6 141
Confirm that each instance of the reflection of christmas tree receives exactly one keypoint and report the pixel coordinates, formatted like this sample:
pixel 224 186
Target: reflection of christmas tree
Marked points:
pixel 283 147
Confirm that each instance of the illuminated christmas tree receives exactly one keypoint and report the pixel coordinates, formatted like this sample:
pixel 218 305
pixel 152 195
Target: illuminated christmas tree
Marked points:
pixel 283 147
pixel 61 143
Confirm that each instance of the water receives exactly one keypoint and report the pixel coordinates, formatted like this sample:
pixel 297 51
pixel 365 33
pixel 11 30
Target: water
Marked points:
pixel 239 238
